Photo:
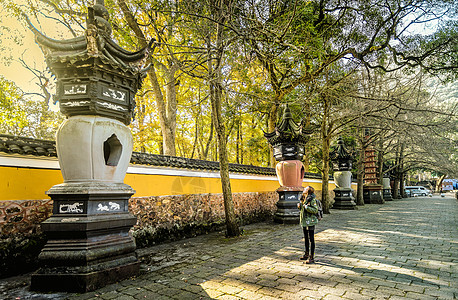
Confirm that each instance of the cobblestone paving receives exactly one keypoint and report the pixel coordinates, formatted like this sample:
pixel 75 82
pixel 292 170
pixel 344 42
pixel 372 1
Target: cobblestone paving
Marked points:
pixel 401 249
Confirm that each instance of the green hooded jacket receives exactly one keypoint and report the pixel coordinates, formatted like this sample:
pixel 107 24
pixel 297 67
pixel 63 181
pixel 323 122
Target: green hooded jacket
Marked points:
pixel 308 211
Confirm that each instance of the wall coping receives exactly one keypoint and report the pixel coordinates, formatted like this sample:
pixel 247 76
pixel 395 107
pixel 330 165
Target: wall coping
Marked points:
pixel 23 147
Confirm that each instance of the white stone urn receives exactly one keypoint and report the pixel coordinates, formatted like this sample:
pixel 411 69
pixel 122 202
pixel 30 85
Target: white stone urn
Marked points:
pixel 386 183
pixel 93 148
pixel 342 179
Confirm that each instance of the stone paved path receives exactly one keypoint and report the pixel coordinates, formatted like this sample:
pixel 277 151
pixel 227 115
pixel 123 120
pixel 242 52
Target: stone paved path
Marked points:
pixel 402 249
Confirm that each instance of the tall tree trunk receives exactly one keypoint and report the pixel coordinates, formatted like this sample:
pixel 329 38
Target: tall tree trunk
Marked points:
pixel 241 141
pixel 397 173
pixel 208 144
pixel 308 118
pixel 402 185
pixel 439 183
pixel 161 144
pixel 169 120
pixel 402 172
pixel 196 135
pixel 166 108
pixel 326 141
pixel 360 168
pixel 272 122
pixel 237 144
pixel 326 201
pixel 380 161
pixel 396 187
pixel 216 94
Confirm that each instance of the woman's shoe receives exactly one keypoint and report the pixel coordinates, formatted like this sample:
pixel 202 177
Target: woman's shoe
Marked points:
pixel 305 256
pixel 310 260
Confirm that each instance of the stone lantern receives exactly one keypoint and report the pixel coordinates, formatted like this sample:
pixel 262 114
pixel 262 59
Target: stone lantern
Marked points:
pixel 89 244
pixel 386 183
pixel 288 141
pixel 342 163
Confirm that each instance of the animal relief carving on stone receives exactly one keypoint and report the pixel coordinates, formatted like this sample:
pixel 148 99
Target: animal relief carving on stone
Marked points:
pixel 71 208
pixel 102 207
pixel 114 206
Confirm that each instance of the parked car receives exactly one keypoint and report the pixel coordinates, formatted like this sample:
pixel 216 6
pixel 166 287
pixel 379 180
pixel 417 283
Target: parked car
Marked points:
pixel 418 190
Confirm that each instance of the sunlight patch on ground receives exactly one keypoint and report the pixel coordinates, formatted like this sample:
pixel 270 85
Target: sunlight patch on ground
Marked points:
pixel 337 236
pixel 404 234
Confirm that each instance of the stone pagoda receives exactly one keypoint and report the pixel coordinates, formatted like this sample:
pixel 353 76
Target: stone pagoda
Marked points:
pixel 89 244
pixel 372 190
pixel 342 163
pixel 288 142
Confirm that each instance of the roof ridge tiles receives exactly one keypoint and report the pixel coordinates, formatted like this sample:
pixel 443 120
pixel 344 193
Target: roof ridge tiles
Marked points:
pixel 40 147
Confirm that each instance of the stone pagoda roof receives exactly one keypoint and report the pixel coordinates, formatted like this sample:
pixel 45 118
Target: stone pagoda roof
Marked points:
pixel 287 131
pixel 340 152
pixel 96 43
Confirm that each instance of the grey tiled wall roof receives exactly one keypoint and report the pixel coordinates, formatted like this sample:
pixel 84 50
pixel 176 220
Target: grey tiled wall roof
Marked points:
pixel 29 146
pixel 194 164
pixel 22 145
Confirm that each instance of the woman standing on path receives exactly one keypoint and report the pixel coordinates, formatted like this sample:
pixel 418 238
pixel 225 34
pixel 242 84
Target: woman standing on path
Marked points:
pixel 308 221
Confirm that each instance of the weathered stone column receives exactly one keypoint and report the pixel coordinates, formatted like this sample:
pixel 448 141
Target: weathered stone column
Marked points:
pixel 342 164
pixel 288 141
pixel 89 244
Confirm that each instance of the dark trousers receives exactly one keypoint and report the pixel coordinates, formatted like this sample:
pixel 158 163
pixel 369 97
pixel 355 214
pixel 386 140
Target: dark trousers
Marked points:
pixel 309 237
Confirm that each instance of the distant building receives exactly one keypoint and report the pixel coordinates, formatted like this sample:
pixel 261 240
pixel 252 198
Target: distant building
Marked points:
pixel 449 185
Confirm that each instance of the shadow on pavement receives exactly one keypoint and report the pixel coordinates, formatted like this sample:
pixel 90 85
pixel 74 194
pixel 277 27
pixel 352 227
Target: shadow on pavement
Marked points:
pixel 395 243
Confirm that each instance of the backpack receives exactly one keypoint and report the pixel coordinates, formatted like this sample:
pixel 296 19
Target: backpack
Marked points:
pixel 319 214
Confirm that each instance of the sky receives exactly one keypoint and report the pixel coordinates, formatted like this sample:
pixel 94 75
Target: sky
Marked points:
pixel 29 50
pixel 12 29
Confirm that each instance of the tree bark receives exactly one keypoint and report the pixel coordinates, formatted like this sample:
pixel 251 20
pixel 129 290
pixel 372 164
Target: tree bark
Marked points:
pixel 308 118
pixel 397 173
pixel 168 122
pixel 325 200
pixel 360 167
pixel 380 161
pixel 237 144
pixel 241 142
pixel 208 144
pixel 402 172
pixel 439 183
pixel 272 122
pixel 166 108
pixel 326 141
pixel 196 135
pixel 216 94
pixel 402 185
pixel 396 188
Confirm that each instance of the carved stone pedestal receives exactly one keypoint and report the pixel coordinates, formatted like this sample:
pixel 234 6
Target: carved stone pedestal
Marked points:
pixel 344 199
pixel 343 194
pixel 88 238
pixel 372 194
pixel 287 211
